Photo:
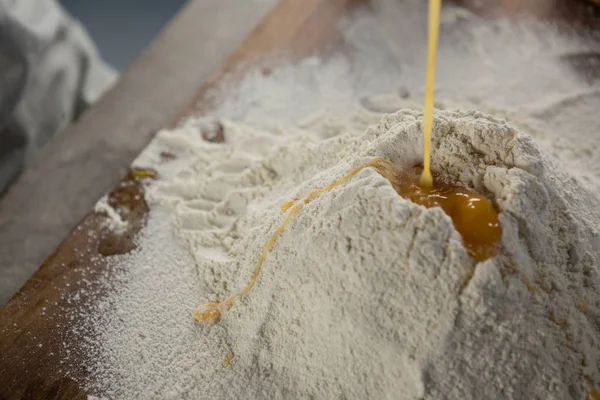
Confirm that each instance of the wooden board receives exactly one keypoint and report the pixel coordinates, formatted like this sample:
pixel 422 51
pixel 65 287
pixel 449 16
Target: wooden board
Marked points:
pixel 35 326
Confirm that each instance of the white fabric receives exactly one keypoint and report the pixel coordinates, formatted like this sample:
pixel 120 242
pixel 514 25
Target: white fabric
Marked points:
pixel 49 71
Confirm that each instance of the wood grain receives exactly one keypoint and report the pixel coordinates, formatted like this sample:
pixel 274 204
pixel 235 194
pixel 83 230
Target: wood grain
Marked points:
pixel 40 356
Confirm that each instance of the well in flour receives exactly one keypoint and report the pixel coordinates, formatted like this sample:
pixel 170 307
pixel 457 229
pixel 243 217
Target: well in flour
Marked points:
pixel 473 216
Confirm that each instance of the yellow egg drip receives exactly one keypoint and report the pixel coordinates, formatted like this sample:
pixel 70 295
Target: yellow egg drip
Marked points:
pixel 228 357
pixel 211 312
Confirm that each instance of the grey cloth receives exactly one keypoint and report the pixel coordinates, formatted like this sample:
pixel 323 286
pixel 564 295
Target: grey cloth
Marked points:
pixel 49 72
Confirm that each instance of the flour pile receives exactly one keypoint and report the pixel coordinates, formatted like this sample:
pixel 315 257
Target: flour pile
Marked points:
pixel 365 295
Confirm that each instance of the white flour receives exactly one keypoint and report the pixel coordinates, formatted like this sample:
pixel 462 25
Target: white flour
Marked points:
pixel 366 295
pixel 113 220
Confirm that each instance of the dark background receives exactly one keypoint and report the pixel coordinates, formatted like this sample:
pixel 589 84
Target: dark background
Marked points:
pixel 122 28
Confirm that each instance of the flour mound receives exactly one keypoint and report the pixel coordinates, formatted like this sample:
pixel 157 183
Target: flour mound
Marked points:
pixel 367 295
